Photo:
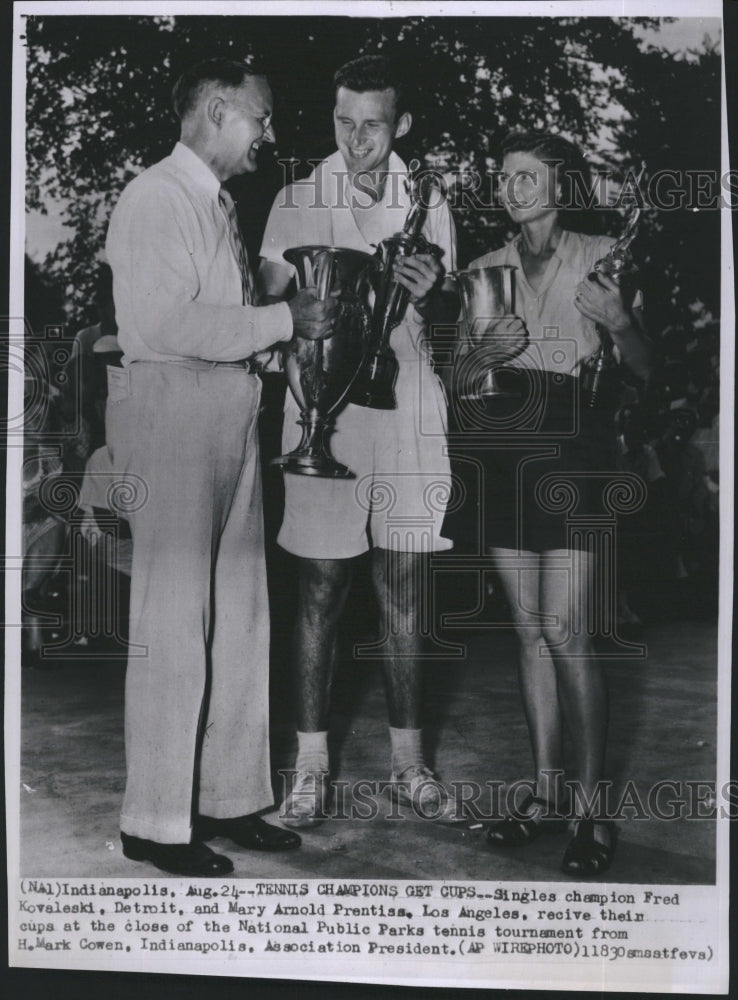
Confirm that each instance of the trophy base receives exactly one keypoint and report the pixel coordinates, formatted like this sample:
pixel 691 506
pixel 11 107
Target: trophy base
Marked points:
pixel 312 457
pixel 499 394
pixel 491 388
pixel 312 465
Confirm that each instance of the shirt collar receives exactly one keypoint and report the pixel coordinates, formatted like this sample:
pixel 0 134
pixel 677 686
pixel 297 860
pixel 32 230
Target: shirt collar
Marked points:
pixel 558 259
pixel 396 166
pixel 393 191
pixel 561 246
pixel 195 168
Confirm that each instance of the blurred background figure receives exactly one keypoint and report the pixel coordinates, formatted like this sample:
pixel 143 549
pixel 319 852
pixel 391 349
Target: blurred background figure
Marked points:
pixel 64 429
pixel 44 528
pixel 107 539
pixel 93 349
pixel 106 325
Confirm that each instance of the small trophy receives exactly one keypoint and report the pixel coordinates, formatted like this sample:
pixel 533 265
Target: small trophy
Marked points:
pixel 375 384
pixel 320 372
pixel 599 378
pixel 487 294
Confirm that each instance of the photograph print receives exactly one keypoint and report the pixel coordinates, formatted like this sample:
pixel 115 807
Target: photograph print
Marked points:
pixel 371 471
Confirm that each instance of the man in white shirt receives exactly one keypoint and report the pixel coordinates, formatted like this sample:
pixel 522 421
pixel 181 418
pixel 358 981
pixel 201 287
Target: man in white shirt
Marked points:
pixel 356 198
pixel 181 427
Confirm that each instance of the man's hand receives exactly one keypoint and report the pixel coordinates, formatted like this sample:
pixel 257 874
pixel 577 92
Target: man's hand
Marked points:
pixel 599 299
pixel 312 318
pixel 420 273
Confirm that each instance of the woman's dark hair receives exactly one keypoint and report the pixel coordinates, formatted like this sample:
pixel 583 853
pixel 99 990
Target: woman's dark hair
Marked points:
pixel 224 72
pixel 374 73
pixel 573 173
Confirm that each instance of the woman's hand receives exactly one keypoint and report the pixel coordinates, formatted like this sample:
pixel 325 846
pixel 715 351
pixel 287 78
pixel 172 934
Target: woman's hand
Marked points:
pixel 600 300
pixel 509 327
pixel 506 335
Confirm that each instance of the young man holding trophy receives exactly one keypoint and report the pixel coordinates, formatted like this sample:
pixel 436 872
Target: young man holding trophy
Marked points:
pixel 357 199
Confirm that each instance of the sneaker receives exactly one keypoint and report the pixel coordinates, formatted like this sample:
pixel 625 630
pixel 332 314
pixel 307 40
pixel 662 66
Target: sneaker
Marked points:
pixel 306 803
pixel 419 788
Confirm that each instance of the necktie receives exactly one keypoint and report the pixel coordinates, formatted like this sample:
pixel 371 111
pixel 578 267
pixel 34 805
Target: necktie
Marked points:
pixel 239 250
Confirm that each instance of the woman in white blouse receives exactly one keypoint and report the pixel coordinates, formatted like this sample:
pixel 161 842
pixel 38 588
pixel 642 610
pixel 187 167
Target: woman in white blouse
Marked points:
pixel 534 444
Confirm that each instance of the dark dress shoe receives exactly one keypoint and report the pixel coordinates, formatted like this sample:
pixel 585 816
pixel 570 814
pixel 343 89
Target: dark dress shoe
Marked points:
pixel 195 860
pixel 248 831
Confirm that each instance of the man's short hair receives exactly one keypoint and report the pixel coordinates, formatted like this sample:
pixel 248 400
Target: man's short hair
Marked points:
pixel 222 72
pixel 374 73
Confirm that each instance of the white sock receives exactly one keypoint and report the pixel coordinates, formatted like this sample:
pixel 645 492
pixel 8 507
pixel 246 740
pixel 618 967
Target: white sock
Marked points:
pixel 407 749
pixel 312 751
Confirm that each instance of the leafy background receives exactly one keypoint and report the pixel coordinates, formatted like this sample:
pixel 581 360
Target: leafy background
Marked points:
pixel 98 112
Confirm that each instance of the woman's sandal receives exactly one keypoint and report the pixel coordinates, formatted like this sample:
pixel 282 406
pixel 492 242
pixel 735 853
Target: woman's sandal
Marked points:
pixel 586 856
pixel 515 831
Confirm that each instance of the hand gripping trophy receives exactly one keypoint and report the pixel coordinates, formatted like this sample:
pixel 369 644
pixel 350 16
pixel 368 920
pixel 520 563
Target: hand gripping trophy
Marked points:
pixel 374 386
pixel 320 372
pixel 599 377
pixel 487 295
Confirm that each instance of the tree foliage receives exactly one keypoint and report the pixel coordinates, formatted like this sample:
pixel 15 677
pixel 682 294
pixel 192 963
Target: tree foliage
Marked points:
pixel 98 112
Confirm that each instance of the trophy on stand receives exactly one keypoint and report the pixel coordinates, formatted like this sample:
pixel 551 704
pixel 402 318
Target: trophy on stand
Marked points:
pixel 320 372
pixel 599 378
pixel 375 384
pixel 487 294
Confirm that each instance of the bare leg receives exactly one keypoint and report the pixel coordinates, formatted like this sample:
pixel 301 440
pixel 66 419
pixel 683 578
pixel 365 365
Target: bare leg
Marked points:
pixel 520 576
pixel 397 583
pixel 324 584
pixel 566 595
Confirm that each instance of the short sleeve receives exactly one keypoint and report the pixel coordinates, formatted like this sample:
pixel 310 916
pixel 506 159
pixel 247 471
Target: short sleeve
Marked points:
pixel 285 224
pixel 440 229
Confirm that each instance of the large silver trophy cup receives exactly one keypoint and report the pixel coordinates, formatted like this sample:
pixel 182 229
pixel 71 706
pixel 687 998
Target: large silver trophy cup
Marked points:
pixel 320 372
pixel 487 294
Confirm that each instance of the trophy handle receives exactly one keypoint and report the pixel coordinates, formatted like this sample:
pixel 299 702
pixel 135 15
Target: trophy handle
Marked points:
pixel 508 291
pixel 325 273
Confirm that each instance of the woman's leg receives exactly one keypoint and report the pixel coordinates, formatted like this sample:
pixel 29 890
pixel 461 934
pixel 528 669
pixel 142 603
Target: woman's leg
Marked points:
pixel 568 589
pixel 520 576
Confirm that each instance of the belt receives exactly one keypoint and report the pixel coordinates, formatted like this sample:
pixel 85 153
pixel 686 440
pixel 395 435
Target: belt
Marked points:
pixel 200 365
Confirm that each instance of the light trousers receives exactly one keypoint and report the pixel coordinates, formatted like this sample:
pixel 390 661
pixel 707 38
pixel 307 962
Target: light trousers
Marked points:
pixel 184 446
